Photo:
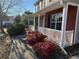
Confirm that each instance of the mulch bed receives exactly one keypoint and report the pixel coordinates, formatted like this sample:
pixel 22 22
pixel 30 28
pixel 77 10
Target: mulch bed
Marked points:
pixel 5 45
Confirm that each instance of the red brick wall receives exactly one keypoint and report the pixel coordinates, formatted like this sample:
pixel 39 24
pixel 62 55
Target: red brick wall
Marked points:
pixel 71 18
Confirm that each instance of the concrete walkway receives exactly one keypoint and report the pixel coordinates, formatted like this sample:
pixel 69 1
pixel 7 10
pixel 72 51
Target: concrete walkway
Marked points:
pixel 75 57
pixel 19 51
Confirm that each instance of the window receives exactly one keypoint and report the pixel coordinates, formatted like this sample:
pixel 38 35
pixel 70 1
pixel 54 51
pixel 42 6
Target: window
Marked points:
pixel 31 22
pixel 56 21
pixel 50 0
pixel 41 21
pixel 41 4
pixel 38 7
pixel 36 21
pixel 44 2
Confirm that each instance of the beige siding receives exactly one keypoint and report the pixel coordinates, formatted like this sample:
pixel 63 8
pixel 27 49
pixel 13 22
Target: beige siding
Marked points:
pixel 36 7
pixel 75 1
pixel 53 1
pixel 53 35
pixel 45 3
pixel 69 38
pixel 40 5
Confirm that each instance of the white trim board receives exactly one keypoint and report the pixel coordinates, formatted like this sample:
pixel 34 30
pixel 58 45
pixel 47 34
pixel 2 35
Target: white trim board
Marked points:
pixel 76 23
pixel 73 4
pixel 34 22
pixel 64 20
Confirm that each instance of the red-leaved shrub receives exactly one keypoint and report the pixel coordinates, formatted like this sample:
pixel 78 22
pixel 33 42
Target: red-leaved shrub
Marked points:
pixel 34 37
pixel 44 49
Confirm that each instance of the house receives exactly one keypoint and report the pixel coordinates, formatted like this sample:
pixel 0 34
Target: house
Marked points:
pixel 8 21
pixel 59 20
pixel 29 19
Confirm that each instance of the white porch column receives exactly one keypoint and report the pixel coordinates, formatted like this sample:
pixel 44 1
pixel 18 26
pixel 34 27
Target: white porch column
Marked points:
pixel 34 22
pixel 43 21
pixel 43 3
pixel 28 22
pixel 38 21
pixel 64 21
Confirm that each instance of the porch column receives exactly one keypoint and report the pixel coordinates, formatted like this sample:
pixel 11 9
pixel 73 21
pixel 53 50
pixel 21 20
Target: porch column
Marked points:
pixel 64 21
pixel 38 21
pixel 28 22
pixel 34 22
pixel 43 21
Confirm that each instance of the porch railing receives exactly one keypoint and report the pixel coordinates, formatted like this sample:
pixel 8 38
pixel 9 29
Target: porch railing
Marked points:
pixel 69 38
pixel 55 35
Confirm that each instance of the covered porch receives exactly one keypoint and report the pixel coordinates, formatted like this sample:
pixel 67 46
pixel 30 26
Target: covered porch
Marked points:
pixel 58 22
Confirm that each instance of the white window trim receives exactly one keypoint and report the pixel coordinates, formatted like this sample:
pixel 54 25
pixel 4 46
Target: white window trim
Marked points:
pixel 55 22
pixel 34 23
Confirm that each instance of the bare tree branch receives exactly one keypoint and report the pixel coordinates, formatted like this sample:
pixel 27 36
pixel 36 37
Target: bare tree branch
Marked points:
pixel 5 5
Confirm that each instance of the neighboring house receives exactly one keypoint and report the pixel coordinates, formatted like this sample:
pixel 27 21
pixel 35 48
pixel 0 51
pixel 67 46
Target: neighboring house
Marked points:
pixel 9 20
pixel 59 19
pixel 30 18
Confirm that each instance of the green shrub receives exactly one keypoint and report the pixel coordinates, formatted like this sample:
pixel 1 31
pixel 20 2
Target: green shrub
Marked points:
pixel 11 31
pixel 17 29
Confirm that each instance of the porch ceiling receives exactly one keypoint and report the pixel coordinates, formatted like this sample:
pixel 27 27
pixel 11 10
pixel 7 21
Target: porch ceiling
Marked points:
pixel 49 8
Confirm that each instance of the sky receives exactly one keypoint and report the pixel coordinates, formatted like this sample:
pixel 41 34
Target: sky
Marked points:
pixel 25 5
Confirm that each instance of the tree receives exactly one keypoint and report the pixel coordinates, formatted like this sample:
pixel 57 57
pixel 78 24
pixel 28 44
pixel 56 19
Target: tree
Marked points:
pixel 17 19
pixel 24 21
pixel 5 5
pixel 25 18
pixel 27 13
